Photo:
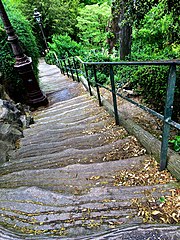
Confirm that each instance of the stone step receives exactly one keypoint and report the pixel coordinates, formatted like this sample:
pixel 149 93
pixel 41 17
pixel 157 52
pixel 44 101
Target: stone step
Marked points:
pixel 94 121
pixel 72 178
pixel 71 113
pixel 36 211
pixel 67 118
pixel 79 99
pixel 92 125
pixel 61 89
pixel 62 131
pixel 120 149
pixel 128 232
pixel 77 138
pixel 75 101
pixel 47 71
pixel 74 130
pixel 61 108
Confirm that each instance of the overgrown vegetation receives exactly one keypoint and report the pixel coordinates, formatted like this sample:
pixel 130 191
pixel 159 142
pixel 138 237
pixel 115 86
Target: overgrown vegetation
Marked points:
pixel 85 28
pixel 92 21
pixel 152 39
pixel 9 78
pixel 176 143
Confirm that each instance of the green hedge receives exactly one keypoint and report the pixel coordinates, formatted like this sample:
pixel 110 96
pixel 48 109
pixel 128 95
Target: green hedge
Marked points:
pixel 9 78
pixel 64 47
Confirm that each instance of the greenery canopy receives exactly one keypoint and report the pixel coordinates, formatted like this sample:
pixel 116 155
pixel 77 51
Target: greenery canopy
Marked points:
pixel 130 30
pixel 10 79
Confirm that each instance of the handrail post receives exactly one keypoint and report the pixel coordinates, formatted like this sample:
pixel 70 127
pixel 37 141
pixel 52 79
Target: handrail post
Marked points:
pixel 63 67
pixel 114 95
pixel 97 86
pixel 167 115
pixel 66 67
pixel 60 66
pixel 75 66
pixel 71 70
pixel 87 77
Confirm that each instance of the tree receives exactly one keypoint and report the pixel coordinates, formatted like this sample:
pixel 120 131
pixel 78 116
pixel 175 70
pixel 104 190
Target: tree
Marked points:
pixel 120 27
pixel 58 16
pixel 90 2
pixel 92 21
pixel 125 13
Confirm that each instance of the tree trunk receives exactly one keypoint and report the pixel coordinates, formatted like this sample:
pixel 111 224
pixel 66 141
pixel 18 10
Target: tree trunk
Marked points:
pixel 122 32
pixel 125 36
pixel 113 28
pixel 125 41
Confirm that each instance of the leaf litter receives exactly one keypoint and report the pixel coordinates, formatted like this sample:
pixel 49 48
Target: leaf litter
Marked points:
pixel 163 209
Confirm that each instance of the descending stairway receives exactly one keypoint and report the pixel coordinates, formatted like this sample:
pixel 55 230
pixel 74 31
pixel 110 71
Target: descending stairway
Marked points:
pixel 59 183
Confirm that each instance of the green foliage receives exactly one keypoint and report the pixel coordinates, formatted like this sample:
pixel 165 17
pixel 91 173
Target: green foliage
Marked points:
pixel 10 79
pixel 58 16
pixel 64 47
pixel 90 2
pixel 176 143
pixel 92 22
pixel 153 41
pixel 95 55
pixel 101 70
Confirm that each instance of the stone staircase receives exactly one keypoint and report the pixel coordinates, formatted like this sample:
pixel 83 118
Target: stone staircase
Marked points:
pixel 59 183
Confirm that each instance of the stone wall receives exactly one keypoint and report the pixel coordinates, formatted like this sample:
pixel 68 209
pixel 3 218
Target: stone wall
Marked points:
pixel 13 119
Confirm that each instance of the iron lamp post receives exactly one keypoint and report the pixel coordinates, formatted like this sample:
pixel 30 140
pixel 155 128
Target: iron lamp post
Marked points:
pixel 37 17
pixel 23 65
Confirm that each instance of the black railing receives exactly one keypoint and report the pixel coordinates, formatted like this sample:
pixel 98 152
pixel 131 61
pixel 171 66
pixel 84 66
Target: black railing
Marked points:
pixel 76 67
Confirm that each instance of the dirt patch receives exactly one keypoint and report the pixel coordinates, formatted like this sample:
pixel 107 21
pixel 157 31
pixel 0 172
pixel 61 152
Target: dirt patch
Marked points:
pixel 144 119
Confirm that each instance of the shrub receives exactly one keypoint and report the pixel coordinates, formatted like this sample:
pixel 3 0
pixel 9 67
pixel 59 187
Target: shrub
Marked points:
pixel 10 79
pixel 176 143
pixel 153 41
pixel 64 47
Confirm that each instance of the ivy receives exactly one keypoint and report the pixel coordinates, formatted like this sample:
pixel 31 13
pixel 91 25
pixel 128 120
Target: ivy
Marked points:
pixel 10 79
pixel 176 143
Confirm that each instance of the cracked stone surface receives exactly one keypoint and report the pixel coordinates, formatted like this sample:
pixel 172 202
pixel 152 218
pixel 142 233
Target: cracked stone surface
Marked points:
pixel 59 183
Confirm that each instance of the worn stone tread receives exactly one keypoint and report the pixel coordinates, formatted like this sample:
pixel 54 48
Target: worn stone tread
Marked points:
pixel 51 135
pixel 71 176
pixel 72 114
pixel 69 156
pixel 46 210
pixel 61 108
pixel 65 127
pixel 82 140
pixel 59 184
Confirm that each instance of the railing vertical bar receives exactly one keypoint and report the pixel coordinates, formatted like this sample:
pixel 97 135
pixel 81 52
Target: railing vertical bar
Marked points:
pixel 75 66
pixel 97 87
pixel 60 66
pixel 66 67
pixel 87 77
pixel 167 115
pixel 114 95
pixel 63 71
pixel 71 71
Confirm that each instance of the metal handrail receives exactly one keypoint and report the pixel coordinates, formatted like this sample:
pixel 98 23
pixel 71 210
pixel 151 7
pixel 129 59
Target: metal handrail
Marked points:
pixel 160 62
pixel 166 118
